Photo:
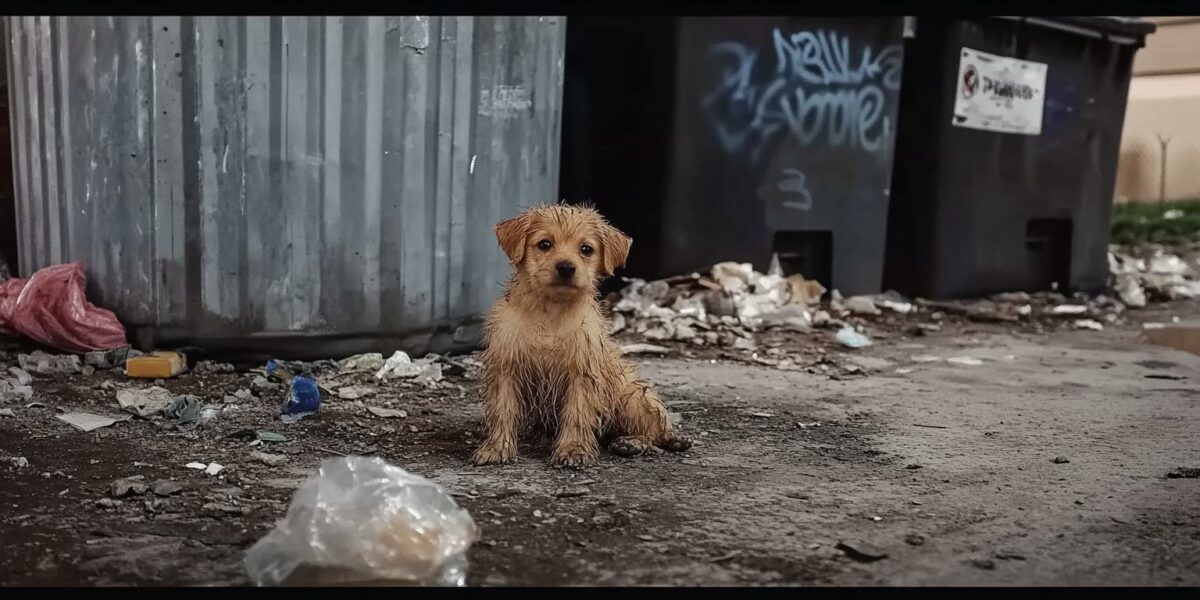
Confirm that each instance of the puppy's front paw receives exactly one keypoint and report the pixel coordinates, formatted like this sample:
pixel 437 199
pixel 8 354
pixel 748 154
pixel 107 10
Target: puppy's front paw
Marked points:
pixel 573 457
pixel 495 454
pixel 675 443
pixel 629 446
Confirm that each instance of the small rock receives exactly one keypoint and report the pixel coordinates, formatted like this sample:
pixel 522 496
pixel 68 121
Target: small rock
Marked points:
pixel 914 539
pixel 7 412
pixel 387 413
pixel 986 564
pixel 646 538
pixel 271 460
pixel 122 488
pixel 225 509
pixel 262 384
pixel 1009 555
pixel 213 468
pixel 861 551
pixel 1059 460
pixel 861 305
pixel 1184 473
pixel 19 462
pixel 88 370
pixel 166 487
pixel 572 493
pixel 109 503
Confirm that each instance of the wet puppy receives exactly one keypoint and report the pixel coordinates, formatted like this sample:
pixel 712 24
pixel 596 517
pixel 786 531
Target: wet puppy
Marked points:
pixel 549 361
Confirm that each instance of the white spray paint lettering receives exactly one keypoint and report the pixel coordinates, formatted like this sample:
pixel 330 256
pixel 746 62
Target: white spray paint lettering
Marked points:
pixel 503 101
pixel 814 94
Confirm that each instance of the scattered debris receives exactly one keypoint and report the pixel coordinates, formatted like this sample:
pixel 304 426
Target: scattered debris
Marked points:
pixel 850 338
pixel 185 411
pixel 1184 473
pixel 107 359
pixel 1089 324
pixel 861 551
pixel 399 366
pixel 256 437
pixel 86 422
pixel 354 392
pixel 144 402
pixel 387 413
pixel 49 364
pixel 20 376
pixel 361 363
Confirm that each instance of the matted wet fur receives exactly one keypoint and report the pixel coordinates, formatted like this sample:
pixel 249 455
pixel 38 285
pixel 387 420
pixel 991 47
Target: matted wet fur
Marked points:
pixel 549 363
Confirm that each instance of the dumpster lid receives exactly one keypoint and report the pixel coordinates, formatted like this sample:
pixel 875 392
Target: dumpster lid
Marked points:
pixel 1122 30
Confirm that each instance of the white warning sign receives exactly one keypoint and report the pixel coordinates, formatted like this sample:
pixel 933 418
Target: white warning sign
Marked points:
pixel 998 93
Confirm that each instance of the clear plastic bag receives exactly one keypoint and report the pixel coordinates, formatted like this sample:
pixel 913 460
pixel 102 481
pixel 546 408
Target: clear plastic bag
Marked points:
pixel 359 520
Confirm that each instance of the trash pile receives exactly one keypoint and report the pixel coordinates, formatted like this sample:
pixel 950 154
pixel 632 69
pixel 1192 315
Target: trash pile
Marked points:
pixel 1155 276
pixel 722 309
pixel 727 307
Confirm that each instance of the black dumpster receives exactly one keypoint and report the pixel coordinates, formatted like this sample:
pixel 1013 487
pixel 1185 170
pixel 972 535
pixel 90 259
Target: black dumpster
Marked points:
pixel 1007 153
pixel 710 139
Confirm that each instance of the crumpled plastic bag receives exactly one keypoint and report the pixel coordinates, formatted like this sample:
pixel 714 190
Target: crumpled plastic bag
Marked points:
pixel 359 520
pixel 52 309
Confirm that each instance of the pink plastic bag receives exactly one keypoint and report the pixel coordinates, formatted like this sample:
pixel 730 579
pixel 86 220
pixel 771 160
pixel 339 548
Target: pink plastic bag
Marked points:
pixel 51 308
pixel 9 290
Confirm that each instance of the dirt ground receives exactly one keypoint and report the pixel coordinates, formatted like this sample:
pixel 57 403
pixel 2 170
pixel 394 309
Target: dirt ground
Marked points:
pixel 1045 465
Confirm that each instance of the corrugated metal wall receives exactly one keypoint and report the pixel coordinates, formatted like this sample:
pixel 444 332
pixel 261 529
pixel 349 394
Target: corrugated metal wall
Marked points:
pixel 255 178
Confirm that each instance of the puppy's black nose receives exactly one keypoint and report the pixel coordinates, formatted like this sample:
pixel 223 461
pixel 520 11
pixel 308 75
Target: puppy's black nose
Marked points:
pixel 565 269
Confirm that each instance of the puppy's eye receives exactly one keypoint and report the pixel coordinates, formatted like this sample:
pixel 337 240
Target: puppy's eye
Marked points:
pixel 586 250
pixel 544 245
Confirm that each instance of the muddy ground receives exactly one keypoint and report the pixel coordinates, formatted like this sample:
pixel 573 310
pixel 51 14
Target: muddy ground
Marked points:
pixel 1045 465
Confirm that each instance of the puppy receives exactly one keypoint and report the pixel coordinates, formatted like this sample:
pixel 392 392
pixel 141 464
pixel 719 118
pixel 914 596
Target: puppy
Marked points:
pixel 549 361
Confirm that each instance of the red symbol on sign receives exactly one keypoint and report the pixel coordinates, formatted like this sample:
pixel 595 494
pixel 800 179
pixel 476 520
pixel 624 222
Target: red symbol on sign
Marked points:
pixel 970 81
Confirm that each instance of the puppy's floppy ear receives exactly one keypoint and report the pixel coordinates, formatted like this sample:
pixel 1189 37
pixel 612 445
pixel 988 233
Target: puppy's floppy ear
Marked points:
pixel 614 249
pixel 511 234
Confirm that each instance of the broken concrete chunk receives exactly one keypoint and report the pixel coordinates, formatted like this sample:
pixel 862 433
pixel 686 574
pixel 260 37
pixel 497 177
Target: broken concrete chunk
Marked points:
pixel 861 551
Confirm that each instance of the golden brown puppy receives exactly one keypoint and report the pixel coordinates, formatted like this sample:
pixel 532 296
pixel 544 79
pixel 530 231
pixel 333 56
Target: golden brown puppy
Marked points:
pixel 549 360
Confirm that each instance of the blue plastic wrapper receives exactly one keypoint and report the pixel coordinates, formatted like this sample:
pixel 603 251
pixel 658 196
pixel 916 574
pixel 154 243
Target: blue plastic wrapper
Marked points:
pixel 303 396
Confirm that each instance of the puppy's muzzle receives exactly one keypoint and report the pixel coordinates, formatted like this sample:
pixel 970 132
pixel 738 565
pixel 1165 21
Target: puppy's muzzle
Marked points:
pixel 565 270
